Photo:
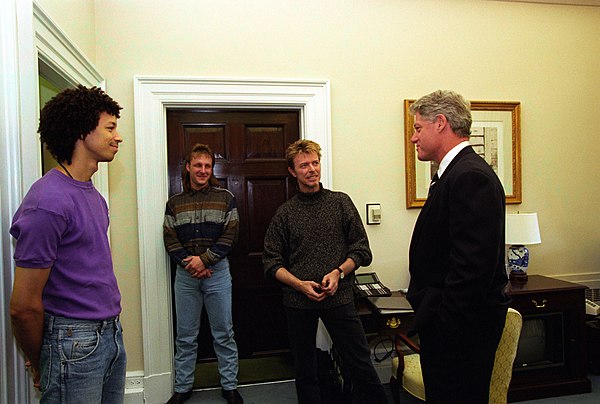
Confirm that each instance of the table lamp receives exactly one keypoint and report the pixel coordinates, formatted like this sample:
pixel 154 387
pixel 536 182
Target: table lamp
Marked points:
pixel 521 229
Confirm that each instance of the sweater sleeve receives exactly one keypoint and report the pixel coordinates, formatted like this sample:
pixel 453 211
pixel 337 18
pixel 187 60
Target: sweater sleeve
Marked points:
pixel 224 244
pixel 174 247
pixel 275 246
pixel 356 236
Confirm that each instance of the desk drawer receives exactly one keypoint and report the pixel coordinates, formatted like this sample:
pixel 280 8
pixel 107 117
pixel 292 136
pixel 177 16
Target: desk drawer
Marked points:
pixel 545 302
pixel 387 324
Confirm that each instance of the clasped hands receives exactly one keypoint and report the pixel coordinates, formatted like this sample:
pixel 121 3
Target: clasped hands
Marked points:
pixel 196 267
pixel 318 292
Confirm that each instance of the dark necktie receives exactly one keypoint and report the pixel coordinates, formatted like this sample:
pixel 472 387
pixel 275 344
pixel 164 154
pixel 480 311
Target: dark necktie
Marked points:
pixel 432 183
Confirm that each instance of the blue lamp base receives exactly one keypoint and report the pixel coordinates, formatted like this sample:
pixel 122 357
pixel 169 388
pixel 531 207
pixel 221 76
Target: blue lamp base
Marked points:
pixel 518 261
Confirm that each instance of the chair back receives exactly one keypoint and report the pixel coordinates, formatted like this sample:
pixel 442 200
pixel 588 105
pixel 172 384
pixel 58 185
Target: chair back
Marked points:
pixel 505 356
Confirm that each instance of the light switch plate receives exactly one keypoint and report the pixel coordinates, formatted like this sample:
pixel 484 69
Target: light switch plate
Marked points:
pixel 373 213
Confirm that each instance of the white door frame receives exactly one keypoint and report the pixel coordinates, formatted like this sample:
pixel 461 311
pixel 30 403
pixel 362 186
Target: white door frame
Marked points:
pixel 16 48
pixel 152 96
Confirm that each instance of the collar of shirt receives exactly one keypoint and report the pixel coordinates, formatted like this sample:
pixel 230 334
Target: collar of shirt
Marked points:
pixel 203 190
pixel 450 156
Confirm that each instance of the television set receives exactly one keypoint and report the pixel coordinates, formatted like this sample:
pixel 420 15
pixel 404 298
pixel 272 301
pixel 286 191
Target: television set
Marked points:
pixel 541 343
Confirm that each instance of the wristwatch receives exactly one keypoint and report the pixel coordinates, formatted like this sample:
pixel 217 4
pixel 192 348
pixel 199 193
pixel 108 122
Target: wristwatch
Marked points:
pixel 341 272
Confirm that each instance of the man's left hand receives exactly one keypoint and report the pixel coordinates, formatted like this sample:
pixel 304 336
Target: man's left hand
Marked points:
pixel 330 282
pixel 196 267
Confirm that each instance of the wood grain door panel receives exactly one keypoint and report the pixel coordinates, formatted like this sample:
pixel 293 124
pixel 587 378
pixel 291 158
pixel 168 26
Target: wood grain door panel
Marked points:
pixel 249 147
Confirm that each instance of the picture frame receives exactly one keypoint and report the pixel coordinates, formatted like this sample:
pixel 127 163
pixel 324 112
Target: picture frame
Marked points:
pixel 495 135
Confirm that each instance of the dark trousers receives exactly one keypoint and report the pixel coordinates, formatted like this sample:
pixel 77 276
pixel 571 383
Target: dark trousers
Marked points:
pixel 458 368
pixel 346 331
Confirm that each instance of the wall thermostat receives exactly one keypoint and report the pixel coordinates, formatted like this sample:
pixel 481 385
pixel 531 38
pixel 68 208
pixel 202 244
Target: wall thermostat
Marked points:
pixel 373 213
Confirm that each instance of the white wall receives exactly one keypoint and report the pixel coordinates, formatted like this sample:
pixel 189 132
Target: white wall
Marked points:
pixel 376 54
pixel 77 19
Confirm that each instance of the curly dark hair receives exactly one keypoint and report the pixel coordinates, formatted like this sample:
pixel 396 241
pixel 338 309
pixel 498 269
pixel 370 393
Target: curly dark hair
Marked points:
pixel 71 115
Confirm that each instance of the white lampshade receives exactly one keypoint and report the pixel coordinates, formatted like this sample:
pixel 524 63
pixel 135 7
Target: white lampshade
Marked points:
pixel 522 228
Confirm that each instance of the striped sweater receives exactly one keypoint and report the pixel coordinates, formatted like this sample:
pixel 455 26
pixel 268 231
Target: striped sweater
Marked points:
pixel 204 223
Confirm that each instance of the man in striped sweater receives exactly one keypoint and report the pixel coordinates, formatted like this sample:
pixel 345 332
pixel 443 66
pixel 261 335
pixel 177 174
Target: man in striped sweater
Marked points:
pixel 200 229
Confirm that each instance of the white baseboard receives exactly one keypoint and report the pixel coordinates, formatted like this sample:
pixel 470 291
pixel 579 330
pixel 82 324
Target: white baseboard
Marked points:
pixel 141 389
pixel 134 387
pixel 158 388
pixel 134 397
pixel 134 380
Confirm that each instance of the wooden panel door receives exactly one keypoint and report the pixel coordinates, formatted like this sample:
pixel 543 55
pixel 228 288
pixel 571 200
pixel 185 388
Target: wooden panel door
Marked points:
pixel 250 159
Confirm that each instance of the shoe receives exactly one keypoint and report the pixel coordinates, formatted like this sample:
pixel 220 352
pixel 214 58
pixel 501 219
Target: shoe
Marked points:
pixel 179 398
pixel 232 396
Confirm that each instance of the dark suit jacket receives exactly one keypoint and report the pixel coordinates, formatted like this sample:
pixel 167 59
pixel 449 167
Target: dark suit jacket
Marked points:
pixel 457 250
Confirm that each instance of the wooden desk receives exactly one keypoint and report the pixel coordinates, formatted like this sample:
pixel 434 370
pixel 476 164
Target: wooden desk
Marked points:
pixel 539 297
pixel 383 324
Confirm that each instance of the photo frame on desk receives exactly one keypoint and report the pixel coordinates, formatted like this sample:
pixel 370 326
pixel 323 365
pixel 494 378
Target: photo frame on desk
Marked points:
pixel 495 135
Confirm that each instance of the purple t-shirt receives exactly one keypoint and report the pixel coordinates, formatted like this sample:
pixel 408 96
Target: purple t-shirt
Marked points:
pixel 62 224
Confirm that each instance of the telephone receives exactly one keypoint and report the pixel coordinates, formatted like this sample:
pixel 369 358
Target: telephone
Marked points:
pixel 368 284
pixel 591 308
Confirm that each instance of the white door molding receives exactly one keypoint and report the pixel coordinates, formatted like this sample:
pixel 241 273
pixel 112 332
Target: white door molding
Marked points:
pixel 16 47
pixel 152 97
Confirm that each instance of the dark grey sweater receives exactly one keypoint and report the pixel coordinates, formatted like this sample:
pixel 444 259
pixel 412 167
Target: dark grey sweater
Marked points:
pixel 310 235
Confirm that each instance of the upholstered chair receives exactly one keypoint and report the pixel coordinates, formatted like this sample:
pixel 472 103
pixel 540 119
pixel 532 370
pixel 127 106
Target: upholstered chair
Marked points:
pixel 408 367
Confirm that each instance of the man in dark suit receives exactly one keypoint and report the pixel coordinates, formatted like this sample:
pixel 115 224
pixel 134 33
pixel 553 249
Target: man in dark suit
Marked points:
pixel 456 256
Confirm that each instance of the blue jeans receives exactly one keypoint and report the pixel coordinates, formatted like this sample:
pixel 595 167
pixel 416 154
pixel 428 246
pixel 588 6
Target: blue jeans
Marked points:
pixel 349 340
pixel 82 361
pixel 191 295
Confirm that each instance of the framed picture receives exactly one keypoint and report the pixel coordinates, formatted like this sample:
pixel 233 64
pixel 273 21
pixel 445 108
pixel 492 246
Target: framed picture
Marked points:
pixel 495 136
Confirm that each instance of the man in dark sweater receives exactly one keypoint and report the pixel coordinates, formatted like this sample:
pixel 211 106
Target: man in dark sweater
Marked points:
pixel 314 244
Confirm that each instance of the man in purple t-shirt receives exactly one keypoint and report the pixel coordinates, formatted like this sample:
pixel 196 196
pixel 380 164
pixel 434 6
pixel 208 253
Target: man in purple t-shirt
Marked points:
pixel 65 303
